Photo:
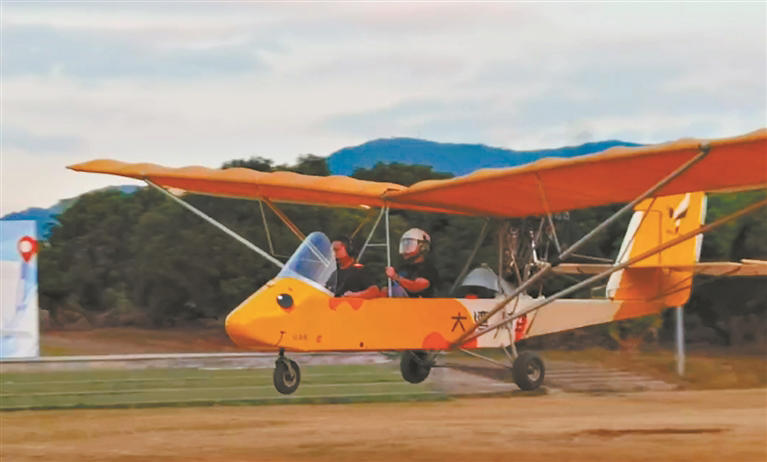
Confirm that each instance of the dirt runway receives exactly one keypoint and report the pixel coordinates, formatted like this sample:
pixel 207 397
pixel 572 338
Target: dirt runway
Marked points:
pixel 725 425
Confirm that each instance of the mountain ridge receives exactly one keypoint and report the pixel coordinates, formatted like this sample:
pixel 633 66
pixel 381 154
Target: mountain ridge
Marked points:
pixel 456 158
pixel 46 217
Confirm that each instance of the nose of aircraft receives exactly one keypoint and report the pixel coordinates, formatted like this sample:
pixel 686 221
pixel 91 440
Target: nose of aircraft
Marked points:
pixel 246 326
pixel 237 327
pixel 271 316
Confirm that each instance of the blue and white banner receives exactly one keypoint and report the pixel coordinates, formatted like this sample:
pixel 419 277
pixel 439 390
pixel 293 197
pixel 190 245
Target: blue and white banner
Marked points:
pixel 19 327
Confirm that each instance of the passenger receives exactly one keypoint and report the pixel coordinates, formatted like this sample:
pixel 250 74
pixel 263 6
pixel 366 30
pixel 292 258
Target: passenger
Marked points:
pixel 417 276
pixel 353 280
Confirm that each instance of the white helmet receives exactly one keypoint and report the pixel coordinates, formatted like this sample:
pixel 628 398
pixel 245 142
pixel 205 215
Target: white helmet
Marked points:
pixel 414 243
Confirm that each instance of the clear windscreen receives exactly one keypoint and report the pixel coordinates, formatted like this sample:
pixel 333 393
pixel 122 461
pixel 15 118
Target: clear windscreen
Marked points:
pixel 313 260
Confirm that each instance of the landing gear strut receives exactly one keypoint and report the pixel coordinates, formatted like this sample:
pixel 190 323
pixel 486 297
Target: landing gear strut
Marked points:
pixel 287 375
pixel 415 365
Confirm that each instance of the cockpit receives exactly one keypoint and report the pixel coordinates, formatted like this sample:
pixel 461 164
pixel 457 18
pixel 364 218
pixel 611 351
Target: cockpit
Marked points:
pixel 313 262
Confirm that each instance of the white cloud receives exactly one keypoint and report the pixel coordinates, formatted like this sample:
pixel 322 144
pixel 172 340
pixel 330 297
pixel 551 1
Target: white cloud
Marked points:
pixel 41 181
pixel 39 143
pixel 197 83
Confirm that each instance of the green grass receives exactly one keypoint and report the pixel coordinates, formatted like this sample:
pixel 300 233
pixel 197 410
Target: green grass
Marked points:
pixel 185 387
pixel 49 350
pixel 334 383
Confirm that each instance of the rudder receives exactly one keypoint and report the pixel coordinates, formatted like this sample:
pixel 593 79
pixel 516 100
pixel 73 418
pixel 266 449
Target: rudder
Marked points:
pixel 656 221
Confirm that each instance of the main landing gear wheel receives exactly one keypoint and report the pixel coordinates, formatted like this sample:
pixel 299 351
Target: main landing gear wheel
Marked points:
pixel 415 366
pixel 528 371
pixel 287 375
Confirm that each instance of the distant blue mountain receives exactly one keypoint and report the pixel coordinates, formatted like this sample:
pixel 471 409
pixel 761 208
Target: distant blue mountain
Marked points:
pixel 46 218
pixel 458 159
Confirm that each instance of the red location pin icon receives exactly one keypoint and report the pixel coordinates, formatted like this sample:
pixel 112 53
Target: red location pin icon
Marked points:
pixel 27 248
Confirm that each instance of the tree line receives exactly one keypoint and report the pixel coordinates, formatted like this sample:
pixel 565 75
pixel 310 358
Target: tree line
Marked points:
pixel 142 259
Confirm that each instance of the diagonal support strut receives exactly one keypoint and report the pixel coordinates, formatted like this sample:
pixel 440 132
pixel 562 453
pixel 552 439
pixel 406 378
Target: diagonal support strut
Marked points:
pixel 704 150
pixel 218 225
pixel 586 282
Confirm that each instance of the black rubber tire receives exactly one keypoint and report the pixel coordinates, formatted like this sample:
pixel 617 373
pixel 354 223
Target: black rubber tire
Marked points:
pixel 287 376
pixel 528 371
pixel 415 366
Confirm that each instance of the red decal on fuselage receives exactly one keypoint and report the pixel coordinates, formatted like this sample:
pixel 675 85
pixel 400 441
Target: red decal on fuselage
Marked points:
pixel 435 341
pixel 355 303
pixel 519 327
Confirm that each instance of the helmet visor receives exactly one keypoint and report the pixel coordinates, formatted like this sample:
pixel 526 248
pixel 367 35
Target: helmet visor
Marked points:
pixel 408 245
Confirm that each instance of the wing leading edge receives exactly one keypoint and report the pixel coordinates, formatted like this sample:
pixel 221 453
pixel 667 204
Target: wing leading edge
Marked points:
pixel 244 183
pixel 615 175
pixel 547 185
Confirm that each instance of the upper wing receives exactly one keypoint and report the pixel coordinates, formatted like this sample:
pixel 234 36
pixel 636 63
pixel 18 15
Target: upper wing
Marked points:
pixel 615 175
pixel 548 185
pixel 718 268
pixel 251 184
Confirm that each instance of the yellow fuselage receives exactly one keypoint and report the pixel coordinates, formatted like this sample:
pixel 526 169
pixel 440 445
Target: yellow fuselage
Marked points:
pixel 317 321
pixel 297 315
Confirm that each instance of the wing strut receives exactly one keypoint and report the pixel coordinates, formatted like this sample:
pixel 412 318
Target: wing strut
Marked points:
pixel 704 150
pixel 546 207
pixel 363 222
pixel 586 282
pixel 292 226
pixel 268 233
pixel 370 236
pixel 388 247
pixel 218 225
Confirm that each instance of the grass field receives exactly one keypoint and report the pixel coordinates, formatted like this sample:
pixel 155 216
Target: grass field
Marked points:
pixel 329 383
pixel 183 387
pixel 710 369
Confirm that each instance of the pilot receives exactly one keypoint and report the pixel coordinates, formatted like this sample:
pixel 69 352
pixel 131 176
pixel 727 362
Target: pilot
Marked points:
pixel 417 275
pixel 353 280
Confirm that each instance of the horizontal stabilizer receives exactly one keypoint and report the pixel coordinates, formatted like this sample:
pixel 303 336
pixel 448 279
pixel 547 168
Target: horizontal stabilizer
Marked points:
pixel 716 268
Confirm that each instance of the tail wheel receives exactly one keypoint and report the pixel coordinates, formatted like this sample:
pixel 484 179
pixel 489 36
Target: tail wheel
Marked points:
pixel 415 366
pixel 287 376
pixel 528 371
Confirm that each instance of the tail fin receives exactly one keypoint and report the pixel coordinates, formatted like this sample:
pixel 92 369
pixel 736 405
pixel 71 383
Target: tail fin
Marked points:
pixel 655 221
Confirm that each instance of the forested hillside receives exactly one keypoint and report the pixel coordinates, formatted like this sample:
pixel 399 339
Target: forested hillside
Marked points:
pixel 141 259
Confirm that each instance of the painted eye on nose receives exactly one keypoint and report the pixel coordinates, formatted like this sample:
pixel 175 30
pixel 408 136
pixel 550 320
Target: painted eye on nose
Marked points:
pixel 285 300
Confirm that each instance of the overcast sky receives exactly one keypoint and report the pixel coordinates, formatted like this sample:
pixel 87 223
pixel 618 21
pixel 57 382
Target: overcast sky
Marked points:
pixel 201 83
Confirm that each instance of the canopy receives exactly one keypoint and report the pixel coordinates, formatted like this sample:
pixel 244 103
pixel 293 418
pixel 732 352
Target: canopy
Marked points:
pixel 547 185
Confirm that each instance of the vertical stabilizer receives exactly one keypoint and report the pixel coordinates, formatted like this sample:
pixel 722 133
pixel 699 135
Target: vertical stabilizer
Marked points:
pixel 656 221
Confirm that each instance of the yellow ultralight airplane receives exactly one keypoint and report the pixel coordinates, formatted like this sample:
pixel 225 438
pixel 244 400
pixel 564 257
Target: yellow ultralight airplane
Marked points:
pixel 664 186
